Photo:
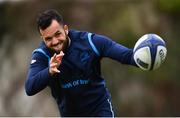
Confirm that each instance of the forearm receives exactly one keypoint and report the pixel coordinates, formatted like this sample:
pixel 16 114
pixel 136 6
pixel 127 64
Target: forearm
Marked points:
pixel 121 54
pixel 37 82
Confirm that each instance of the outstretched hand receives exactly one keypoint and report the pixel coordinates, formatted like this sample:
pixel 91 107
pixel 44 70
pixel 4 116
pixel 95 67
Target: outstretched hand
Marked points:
pixel 55 63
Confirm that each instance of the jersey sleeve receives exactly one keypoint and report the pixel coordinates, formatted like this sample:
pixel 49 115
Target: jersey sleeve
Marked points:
pixel 38 74
pixel 109 48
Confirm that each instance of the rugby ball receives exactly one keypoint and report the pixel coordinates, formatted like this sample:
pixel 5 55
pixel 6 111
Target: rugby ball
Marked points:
pixel 149 52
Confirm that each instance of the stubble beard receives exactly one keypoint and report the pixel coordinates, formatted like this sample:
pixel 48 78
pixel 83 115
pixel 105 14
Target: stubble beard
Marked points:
pixel 63 46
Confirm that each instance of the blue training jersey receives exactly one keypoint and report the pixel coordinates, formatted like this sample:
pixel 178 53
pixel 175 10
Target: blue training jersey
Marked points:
pixel 79 88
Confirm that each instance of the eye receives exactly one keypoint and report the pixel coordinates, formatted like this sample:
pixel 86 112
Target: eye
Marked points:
pixel 57 34
pixel 48 39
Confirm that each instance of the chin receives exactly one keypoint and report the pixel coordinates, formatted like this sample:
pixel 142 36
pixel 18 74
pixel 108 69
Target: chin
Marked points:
pixel 57 51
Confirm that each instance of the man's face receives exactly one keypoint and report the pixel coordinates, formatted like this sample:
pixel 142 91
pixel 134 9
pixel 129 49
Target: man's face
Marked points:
pixel 55 36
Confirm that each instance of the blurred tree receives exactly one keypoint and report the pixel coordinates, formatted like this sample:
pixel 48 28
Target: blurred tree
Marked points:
pixel 134 92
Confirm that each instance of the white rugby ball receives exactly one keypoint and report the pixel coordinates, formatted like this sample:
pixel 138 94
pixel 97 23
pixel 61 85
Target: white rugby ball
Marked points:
pixel 149 52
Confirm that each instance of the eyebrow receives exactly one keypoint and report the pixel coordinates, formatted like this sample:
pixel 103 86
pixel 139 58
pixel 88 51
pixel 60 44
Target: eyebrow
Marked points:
pixel 49 37
pixel 57 32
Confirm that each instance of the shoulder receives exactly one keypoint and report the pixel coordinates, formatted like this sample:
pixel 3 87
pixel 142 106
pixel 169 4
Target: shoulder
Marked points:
pixel 41 52
pixel 77 35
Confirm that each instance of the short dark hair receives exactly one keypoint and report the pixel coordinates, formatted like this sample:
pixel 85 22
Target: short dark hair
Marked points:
pixel 45 18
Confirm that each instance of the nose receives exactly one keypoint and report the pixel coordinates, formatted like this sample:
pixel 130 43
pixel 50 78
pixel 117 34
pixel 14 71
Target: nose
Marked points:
pixel 54 41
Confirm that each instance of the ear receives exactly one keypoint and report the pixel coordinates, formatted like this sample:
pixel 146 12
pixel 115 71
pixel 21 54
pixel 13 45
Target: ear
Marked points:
pixel 41 37
pixel 40 32
pixel 66 29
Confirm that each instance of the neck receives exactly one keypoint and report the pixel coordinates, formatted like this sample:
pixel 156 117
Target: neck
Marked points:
pixel 69 41
pixel 67 44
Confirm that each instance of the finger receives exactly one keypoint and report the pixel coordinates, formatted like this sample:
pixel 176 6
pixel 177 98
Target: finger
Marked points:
pixel 61 53
pixel 53 58
pixel 53 65
pixel 60 56
pixel 54 55
pixel 55 70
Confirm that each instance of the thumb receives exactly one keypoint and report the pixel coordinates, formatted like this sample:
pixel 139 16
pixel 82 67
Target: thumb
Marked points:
pixel 60 56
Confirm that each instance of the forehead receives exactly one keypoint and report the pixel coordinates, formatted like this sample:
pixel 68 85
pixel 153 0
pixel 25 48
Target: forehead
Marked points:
pixel 53 28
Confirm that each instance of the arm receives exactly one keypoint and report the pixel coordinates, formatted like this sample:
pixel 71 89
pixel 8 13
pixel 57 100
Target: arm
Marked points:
pixel 113 50
pixel 38 74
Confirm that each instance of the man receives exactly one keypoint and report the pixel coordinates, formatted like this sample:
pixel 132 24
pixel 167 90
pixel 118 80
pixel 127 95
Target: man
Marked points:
pixel 68 61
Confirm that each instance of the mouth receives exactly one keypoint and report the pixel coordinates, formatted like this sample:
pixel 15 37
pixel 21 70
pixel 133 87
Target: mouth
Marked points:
pixel 58 47
pixel 58 44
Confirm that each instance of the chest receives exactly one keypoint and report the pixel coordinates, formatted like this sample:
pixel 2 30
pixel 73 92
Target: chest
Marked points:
pixel 78 60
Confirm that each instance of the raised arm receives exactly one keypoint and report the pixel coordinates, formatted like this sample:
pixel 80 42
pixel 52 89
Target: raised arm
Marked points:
pixel 113 50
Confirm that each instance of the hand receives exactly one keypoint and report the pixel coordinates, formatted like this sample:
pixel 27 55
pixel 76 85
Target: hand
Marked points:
pixel 55 63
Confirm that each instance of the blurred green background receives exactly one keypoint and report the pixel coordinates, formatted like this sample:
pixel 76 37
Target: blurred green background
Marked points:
pixel 134 92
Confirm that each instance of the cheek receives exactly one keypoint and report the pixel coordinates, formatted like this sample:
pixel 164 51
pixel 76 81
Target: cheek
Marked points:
pixel 48 44
pixel 62 37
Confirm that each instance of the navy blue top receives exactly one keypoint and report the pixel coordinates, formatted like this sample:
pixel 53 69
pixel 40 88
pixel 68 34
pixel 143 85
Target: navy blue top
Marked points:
pixel 78 89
